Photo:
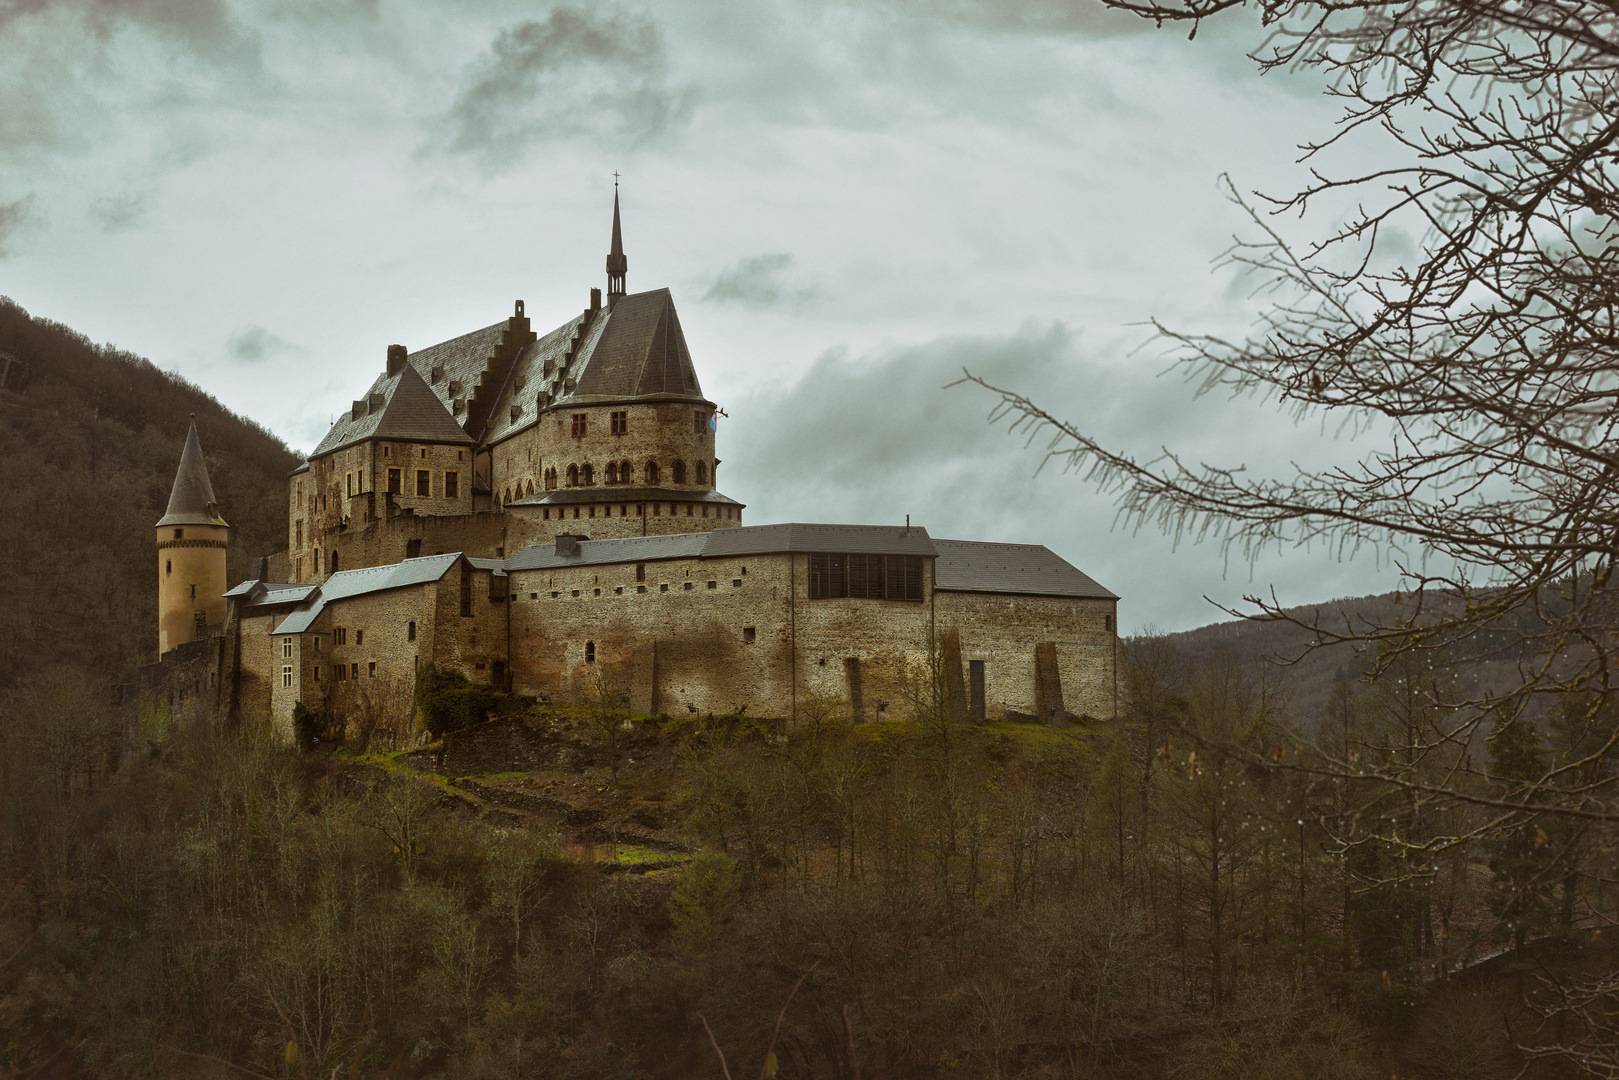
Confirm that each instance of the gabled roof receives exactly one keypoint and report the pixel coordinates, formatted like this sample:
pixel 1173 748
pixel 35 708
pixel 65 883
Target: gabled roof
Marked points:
pixel 1024 569
pixel 191 501
pixel 639 352
pixel 399 407
pixel 460 363
pixel 369 579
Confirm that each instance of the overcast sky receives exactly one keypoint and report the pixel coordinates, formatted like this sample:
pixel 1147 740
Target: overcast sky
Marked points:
pixel 852 202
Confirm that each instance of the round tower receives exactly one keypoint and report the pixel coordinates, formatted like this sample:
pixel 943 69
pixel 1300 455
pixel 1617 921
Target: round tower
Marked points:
pixel 191 540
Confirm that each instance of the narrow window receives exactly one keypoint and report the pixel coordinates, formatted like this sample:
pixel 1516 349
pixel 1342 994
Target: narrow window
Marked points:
pixel 747 635
pixel 359 637
pixel 314 669
pixel 573 476
pixel 387 451
pixel 652 472
pixel 587 474
pixel 702 472
pixel 424 483
pixel 640 571
pixel 354 670
pixel 621 423
pixel 331 563
pixel 680 472
pixel 612 469
pixel 581 425
pixel 286 675
pixel 452 485
pixel 168 566
pixel 424 453
pixel 373 667
pixel 626 473
pixel 699 422
pixel 410 630
pixel 286 648
pixel 590 652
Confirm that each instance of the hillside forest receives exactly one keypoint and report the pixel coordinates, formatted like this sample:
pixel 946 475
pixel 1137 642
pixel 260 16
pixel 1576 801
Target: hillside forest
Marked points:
pixel 1173 894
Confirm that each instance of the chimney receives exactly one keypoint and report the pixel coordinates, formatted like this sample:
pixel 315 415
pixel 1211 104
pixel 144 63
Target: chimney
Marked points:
pixel 567 545
pixel 396 358
pixel 595 299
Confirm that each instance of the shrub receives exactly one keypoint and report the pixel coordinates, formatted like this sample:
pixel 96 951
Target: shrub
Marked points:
pixel 447 701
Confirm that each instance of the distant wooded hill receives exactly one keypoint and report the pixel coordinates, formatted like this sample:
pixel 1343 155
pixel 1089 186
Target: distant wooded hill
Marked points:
pixel 1307 674
pixel 91 444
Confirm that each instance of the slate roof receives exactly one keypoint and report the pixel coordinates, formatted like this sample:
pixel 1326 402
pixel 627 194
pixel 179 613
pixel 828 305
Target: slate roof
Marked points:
pixel 538 372
pixel 794 536
pixel 191 501
pixel 727 543
pixel 369 579
pixel 461 360
pixel 639 351
pixel 613 494
pixel 1023 569
pixel 601 552
pixel 399 407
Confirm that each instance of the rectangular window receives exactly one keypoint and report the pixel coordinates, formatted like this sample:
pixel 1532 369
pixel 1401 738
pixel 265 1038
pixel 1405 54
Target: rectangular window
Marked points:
pixel 640 571
pixel 286 675
pixel 338 672
pixel 354 670
pixel 827 577
pixel 621 423
pixel 317 643
pixel 699 422
pixel 903 574
pixel 298 534
pixel 581 425
pixel 395 483
pixel 359 637
pixel 424 483
pixel 410 631
pixel 452 485
pixel 373 669
pixel 286 648
pixel 340 635
pixel 747 635
pixel 314 669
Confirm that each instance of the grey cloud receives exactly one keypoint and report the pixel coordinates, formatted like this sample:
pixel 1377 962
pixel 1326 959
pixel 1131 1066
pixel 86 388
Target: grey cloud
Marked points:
pixel 1024 16
pixel 573 72
pixel 14 217
pixel 759 281
pixel 252 344
pixel 115 213
pixel 875 437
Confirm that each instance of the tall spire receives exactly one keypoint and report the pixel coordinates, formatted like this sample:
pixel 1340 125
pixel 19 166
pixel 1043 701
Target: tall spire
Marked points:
pixel 191 502
pixel 617 264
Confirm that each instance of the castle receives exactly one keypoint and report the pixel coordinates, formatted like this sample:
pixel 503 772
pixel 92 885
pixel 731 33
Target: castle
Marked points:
pixel 541 513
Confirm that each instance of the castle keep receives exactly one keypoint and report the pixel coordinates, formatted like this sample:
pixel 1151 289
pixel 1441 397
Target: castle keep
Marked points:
pixel 542 513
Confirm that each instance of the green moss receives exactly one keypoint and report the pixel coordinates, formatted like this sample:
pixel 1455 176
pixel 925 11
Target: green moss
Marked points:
pixel 447 701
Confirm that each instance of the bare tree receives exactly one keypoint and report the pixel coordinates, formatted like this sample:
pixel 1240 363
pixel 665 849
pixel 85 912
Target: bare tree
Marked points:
pixel 1486 361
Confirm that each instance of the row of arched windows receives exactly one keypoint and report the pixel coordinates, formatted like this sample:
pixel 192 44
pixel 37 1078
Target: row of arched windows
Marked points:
pixel 617 472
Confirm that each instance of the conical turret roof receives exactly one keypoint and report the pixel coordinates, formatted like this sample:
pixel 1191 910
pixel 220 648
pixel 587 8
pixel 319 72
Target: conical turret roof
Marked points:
pixel 192 500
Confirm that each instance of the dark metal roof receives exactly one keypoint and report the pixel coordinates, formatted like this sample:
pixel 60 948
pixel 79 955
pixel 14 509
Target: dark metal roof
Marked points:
pixel 539 373
pixel 853 539
pixel 640 352
pixel 459 363
pixel 1024 569
pixel 400 407
pixel 191 501
pixel 609 494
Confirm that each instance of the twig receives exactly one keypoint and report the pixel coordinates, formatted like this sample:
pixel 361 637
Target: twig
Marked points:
pixel 724 1068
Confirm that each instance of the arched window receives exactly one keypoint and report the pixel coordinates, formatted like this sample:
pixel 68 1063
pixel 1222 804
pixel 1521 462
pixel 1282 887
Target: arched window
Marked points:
pixel 508 496
pixel 573 476
pixel 612 472
pixel 331 563
pixel 680 472
pixel 551 479
pixel 652 472
pixel 590 652
pixel 588 475
pixel 702 472
pixel 626 473
pixel 530 487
